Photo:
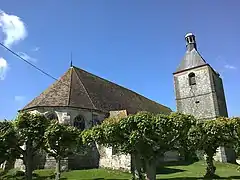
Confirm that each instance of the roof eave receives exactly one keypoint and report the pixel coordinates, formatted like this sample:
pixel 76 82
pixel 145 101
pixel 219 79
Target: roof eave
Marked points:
pixel 36 107
pixel 191 68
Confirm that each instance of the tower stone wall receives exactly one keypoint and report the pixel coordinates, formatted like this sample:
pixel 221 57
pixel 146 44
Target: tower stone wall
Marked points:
pixel 199 99
pixel 205 99
pixel 199 90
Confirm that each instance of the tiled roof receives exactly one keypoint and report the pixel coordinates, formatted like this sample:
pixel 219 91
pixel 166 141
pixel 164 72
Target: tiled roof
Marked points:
pixel 81 89
pixel 191 59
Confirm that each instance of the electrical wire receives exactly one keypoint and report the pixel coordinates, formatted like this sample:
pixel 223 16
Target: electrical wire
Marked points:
pixel 34 66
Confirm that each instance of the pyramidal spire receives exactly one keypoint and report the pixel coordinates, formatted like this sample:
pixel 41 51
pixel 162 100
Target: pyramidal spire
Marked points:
pixel 192 58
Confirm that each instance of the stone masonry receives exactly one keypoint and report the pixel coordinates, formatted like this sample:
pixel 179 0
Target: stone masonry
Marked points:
pixel 199 90
pixel 67 116
pixel 82 99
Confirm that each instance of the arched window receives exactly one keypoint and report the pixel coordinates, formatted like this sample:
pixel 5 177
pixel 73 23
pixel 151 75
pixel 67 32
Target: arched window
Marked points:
pixel 192 79
pixel 79 122
pixel 52 116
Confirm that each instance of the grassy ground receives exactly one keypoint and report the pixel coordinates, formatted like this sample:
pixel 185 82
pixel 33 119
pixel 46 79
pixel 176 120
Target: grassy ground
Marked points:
pixel 170 171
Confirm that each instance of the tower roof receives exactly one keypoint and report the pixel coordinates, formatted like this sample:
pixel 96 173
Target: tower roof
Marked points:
pixel 81 89
pixel 192 57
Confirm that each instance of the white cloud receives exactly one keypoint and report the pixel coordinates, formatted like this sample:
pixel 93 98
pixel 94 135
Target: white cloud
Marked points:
pixel 13 28
pixel 19 98
pixel 3 68
pixel 227 66
pixel 36 49
pixel 27 57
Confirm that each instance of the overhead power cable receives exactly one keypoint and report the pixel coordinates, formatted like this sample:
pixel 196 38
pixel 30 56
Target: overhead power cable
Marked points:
pixel 34 66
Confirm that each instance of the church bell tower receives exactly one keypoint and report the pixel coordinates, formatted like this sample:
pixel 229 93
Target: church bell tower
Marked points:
pixel 198 87
pixel 199 91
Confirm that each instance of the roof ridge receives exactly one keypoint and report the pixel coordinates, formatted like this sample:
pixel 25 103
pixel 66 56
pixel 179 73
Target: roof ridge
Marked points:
pixel 121 87
pixel 85 89
pixel 200 55
pixel 70 87
pixel 46 91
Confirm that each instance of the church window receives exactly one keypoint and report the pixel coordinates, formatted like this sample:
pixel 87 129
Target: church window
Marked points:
pixel 79 122
pixel 52 116
pixel 192 79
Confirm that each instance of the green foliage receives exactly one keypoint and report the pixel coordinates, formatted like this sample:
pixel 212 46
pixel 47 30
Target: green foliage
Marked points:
pixel 185 144
pixel 8 141
pixel 213 133
pixel 30 129
pixel 107 134
pixel 209 135
pixel 111 120
pixel 143 134
pixel 61 140
pixel 235 133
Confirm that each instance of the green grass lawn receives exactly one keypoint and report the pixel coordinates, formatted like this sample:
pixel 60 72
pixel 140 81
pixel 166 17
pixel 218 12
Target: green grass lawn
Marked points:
pixel 170 171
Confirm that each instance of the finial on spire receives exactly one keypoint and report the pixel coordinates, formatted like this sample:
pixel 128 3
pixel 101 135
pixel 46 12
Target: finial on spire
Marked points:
pixel 71 64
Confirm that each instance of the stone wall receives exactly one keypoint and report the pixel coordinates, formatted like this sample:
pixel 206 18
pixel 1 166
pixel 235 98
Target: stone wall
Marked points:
pixel 219 95
pixel 51 163
pixel 114 161
pixel 205 100
pixel 89 158
pixel 196 99
pixel 66 115
pixel 171 156
pixel 108 157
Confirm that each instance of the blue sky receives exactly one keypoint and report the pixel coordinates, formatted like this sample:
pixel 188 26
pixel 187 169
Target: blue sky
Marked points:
pixel 135 43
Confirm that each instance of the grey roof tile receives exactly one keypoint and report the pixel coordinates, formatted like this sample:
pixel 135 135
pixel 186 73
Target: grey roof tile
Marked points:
pixel 191 59
pixel 81 89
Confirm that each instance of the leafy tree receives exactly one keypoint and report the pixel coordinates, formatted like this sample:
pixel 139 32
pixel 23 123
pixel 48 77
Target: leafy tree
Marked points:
pixel 8 141
pixel 186 145
pixel 235 133
pixel 110 134
pixel 60 141
pixel 144 135
pixel 30 129
pixel 163 136
pixel 208 136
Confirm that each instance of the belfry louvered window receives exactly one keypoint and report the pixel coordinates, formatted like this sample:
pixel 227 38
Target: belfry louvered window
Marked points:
pixel 192 79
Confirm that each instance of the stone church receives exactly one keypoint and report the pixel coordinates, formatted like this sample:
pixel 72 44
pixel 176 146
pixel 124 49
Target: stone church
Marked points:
pixel 83 100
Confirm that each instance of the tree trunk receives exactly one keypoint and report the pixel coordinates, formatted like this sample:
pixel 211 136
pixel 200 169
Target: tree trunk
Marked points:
pixel 136 167
pixel 150 169
pixel 210 170
pixel 28 160
pixel 58 168
pixel 9 164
